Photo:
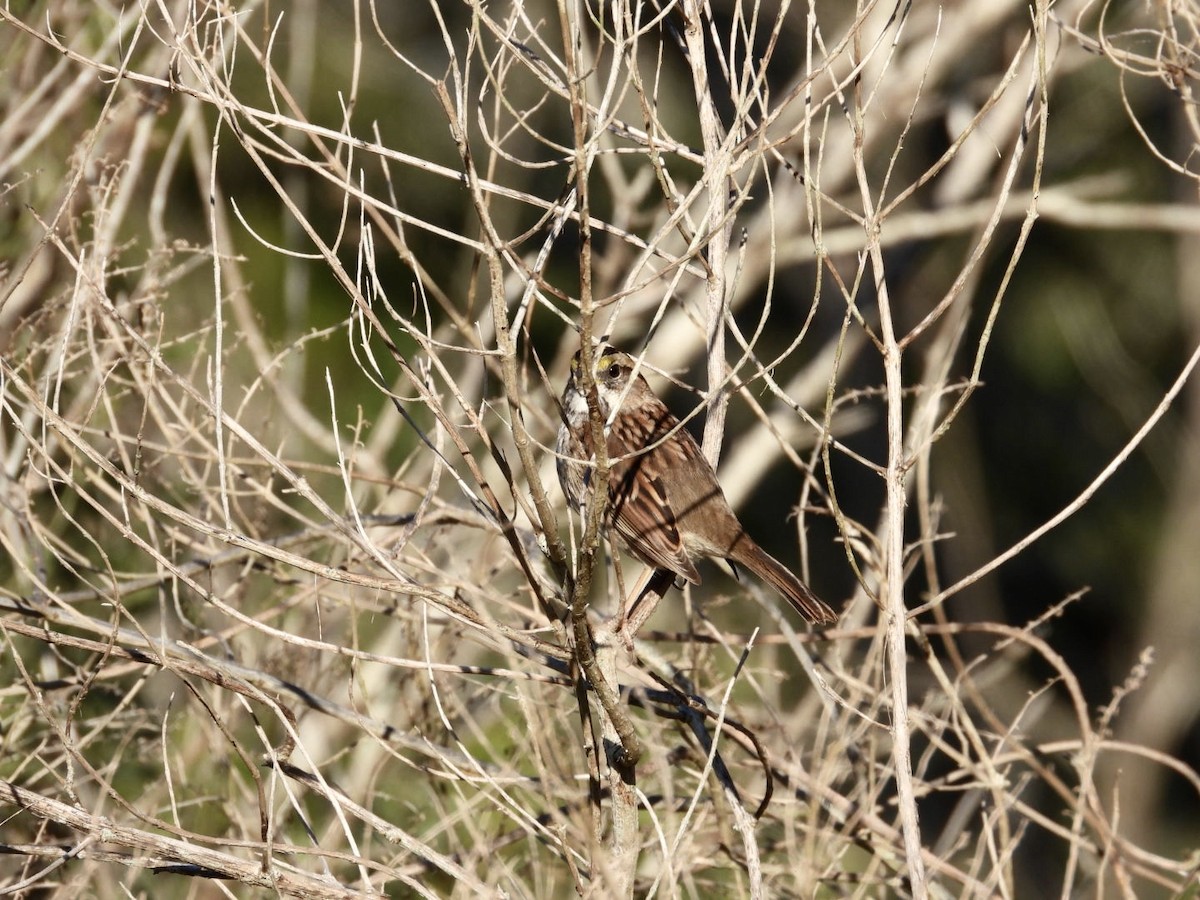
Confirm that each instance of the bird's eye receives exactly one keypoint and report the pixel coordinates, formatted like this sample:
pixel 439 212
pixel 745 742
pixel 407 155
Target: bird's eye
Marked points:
pixel 614 371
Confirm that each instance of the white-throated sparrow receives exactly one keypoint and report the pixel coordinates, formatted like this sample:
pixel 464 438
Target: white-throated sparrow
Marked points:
pixel 664 499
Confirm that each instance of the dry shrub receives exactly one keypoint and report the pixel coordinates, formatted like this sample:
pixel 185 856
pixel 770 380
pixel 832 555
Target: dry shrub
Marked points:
pixel 289 293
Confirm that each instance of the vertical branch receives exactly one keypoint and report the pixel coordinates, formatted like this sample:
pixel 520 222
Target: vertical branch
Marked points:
pixel 715 227
pixel 893 596
pixel 596 655
pixel 893 525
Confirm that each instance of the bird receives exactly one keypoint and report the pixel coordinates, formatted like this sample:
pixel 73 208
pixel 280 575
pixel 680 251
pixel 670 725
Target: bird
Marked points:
pixel 664 500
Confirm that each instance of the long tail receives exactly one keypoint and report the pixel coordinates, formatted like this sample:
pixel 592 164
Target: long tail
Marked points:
pixel 796 592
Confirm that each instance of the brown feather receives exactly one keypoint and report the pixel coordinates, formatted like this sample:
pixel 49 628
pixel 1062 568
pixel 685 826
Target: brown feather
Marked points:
pixel 665 502
pixel 639 507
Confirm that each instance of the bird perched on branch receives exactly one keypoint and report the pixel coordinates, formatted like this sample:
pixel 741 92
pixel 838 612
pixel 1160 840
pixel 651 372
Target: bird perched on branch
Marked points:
pixel 664 500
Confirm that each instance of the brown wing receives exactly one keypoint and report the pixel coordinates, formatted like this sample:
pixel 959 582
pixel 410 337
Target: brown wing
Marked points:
pixel 639 508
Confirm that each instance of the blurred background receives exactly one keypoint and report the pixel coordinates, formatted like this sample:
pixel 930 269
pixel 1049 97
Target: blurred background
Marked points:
pixel 284 289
